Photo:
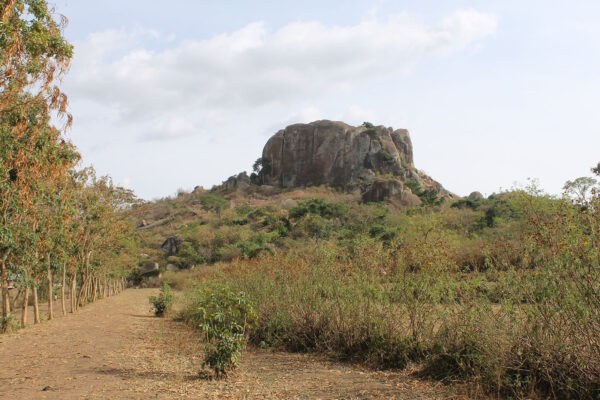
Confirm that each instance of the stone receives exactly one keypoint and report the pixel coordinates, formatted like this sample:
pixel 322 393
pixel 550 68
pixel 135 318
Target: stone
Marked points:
pixel 150 268
pixel 474 196
pixel 239 181
pixel 171 246
pixel 392 191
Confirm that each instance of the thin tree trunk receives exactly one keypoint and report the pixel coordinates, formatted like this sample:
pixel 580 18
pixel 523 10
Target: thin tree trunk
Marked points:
pixel 62 290
pixel 95 289
pixel 4 285
pixel 13 305
pixel 73 294
pixel 36 308
pixel 24 309
pixel 81 293
pixel 50 293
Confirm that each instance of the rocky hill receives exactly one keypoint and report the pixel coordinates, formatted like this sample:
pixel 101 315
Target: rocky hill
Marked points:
pixel 375 160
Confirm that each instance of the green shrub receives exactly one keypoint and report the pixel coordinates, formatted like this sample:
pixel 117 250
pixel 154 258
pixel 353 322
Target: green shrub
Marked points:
pixel 386 156
pixel 224 316
pixel 163 302
pixel 319 207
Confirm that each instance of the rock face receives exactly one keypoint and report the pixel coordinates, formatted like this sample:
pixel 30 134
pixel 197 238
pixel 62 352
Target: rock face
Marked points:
pixel 334 153
pixel 171 246
pixel 337 154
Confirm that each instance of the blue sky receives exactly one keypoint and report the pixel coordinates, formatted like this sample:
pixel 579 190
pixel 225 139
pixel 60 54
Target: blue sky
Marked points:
pixel 184 94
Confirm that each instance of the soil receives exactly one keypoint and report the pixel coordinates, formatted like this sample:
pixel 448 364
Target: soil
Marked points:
pixel 116 349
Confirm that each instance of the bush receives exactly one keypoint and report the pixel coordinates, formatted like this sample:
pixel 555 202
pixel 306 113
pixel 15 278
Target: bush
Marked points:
pixel 163 302
pixel 7 324
pixel 319 207
pixel 224 316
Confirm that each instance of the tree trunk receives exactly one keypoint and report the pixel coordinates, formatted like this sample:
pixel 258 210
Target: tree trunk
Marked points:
pixel 13 305
pixel 73 294
pixel 36 308
pixel 4 285
pixel 62 290
pixel 95 289
pixel 81 294
pixel 50 294
pixel 24 309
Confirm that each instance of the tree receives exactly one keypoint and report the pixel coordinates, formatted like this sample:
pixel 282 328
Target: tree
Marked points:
pixel 596 169
pixel 261 167
pixel 212 202
pixel 579 188
pixel 32 54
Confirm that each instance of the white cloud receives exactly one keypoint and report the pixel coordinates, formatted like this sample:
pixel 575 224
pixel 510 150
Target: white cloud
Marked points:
pixel 195 85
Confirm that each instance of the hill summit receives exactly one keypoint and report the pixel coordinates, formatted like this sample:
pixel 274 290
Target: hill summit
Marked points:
pixel 375 160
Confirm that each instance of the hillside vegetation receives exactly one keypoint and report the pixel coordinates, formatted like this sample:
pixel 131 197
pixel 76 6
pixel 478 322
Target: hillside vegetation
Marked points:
pixel 501 292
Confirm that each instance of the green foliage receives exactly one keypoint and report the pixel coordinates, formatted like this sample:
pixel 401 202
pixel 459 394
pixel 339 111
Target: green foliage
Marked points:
pixel 414 186
pixel 372 130
pixel 386 156
pixel 213 202
pixel 262 165
pixel 368 125
pixel 163 302
pixel 318 207
pixel 428 197
pixel 224 316
pixel 190 253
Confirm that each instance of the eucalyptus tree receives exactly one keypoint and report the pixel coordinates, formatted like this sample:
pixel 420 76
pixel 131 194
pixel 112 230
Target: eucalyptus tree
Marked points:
pixel 33 53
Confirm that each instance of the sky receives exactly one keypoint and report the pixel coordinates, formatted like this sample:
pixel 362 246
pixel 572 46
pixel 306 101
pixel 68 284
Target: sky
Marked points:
pixel 171 95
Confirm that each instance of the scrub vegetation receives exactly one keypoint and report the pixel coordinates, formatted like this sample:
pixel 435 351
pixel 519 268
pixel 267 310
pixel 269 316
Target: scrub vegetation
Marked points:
pixel 502 293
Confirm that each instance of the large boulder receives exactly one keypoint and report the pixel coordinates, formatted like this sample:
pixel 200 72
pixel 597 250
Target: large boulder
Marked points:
pixel 392 191
pixel 150 268
pixel 171 246
pixel 474 196
pixel 334 153
pixel 337 154
pixel 239 181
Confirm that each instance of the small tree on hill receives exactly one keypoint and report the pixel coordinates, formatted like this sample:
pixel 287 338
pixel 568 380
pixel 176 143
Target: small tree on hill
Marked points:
pixel 212 202
pixel 579 188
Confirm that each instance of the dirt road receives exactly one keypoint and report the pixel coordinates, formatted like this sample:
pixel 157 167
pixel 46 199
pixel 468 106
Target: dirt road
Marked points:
pixel 115 349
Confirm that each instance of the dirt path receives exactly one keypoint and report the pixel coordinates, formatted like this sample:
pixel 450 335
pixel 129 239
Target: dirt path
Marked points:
pixel 114 349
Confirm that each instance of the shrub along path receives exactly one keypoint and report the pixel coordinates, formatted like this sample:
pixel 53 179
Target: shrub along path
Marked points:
pixel 115 349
